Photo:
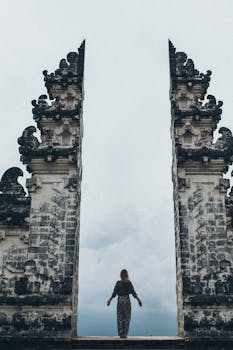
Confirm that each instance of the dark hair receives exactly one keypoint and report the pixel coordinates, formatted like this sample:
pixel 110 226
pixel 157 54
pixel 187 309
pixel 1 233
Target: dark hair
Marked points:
pixel 124 275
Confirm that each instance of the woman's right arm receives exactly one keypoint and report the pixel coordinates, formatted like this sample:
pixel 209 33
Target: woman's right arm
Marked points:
pixel 135 295
pixel 139 301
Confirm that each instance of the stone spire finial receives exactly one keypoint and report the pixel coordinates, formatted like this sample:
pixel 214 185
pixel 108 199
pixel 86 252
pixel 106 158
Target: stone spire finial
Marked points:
pixel 59 120
pixel 182 69
pixel 70 70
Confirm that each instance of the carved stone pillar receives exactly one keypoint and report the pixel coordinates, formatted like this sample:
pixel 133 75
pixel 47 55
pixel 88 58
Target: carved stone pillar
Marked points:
pixel 203 210
pixel 39 277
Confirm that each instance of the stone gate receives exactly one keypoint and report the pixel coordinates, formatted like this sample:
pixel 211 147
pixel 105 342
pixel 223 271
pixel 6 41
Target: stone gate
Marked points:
pixel 203 205
pixel 39 231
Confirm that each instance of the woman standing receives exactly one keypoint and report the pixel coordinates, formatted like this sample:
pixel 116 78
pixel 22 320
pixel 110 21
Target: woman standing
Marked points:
pixel 123 288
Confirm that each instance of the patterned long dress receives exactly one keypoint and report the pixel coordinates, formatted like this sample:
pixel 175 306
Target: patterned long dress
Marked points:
pixel 123 289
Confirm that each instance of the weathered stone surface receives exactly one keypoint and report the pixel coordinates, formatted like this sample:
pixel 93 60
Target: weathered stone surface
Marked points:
pixel 203 209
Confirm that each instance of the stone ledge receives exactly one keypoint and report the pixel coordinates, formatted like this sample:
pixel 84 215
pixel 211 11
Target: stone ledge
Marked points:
pixel 206 300
pixel 35 300
pixel 211 343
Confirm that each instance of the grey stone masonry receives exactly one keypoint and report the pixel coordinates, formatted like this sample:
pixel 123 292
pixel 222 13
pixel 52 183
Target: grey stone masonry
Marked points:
pixel 203 204
pixel 39 232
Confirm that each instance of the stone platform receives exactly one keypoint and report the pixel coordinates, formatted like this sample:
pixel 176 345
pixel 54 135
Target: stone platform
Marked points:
pixel 137 342
pixel 101 342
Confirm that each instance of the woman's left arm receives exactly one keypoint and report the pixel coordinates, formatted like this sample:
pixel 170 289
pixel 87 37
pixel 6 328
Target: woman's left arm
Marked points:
pixel 109 301
pixel 114 293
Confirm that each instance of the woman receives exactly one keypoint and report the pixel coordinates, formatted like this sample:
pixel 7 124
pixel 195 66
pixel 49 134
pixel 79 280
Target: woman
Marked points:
pixel 123 288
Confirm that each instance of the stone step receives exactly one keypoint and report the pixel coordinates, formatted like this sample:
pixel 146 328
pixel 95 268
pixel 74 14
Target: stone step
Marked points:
pixel 101 342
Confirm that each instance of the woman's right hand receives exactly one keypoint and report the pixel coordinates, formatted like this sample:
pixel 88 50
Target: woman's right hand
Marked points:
pixel 108 302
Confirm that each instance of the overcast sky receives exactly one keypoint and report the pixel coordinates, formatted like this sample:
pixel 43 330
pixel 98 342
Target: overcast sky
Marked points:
pixel 127 205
